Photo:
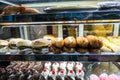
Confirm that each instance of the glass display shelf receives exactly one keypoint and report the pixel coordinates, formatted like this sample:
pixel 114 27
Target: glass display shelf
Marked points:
pixel 61 57
pixel 62 18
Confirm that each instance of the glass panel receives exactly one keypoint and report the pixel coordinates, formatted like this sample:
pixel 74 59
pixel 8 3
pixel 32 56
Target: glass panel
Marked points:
pixel 98 29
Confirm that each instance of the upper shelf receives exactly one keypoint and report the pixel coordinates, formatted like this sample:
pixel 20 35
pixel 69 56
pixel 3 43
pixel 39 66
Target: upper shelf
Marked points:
pixel 62 18
pixel 61 57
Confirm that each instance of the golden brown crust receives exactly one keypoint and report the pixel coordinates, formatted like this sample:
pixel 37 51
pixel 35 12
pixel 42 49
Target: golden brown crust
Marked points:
pixel 40 43
pixel 55 50
pixel 48 37
pixel 94 51
pixel 94 42
pixel 82 50
pixel 24 43
pixel 58 42
pixel 82 42
pixel 68 49
pixel 70 42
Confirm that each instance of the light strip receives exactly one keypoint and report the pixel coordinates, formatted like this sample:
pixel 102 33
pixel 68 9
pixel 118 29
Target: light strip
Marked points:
pixel 63 22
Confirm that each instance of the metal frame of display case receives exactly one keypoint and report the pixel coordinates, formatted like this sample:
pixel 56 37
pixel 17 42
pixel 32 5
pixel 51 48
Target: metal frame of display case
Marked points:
pixel 62 18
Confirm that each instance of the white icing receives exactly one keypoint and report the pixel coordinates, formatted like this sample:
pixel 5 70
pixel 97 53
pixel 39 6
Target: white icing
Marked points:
pixel 45 73
pixel 62 74
pixel 80 74
pixel 78 65
pixel 72 75
pixel 53 75
pixel 63 65
pixel 70 65
pixel 47 65
pixel 55 66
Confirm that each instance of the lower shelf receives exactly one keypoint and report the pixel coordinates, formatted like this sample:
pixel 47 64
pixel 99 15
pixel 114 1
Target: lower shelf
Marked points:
pixel 61 57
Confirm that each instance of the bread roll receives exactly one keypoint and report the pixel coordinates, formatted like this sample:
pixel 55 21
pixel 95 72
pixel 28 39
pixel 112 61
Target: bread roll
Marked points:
pixel 70 42
pixel 3 43
pixel 40 45
pixel 55 50
pixel 29 11
pixel 13 42
pixel 22 44
pixel 82 42
pixel 82 50
pixel 58 42
pixel 68 49
pixel 96 51
pixel 94 42
pixel 48 37
pixel 3 46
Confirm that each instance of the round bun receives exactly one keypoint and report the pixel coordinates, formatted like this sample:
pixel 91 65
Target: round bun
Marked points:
pixel 70 42
pixel 26 43
pixel 82 50
pixel 94 42
pixel 13 42
pixel 40 43
pixel 3 43
pixel 58 42
pixel 67 49
pixel 55 50
pixel 48 37
pixel 82 42
pixel 29 11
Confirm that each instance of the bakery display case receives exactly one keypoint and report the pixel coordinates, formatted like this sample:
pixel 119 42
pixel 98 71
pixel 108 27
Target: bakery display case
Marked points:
pixel 73 43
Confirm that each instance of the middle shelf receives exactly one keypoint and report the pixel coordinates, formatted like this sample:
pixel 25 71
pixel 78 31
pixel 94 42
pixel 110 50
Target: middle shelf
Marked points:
pixel 61 57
